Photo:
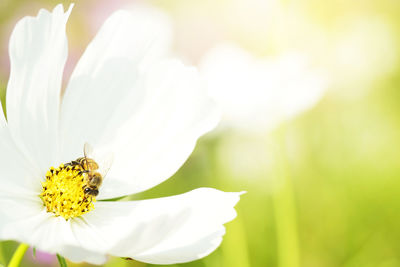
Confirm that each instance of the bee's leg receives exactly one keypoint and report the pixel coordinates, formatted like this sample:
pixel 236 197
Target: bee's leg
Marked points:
pixel 91 199
pixel 80 173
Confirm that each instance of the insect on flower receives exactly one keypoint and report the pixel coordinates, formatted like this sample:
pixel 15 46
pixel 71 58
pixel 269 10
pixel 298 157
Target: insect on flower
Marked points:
pixel 146 111
pixel 94 176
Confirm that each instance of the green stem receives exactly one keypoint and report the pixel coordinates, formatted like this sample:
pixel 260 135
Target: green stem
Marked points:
pixel 285 210
pixel 234 247
pixel 18 255
pixel 61 261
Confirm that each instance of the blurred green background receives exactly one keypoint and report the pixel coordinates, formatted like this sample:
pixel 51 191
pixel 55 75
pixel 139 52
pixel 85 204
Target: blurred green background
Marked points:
pixel 323 189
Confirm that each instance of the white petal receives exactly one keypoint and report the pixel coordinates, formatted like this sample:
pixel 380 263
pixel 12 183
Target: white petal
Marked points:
pixel 19 215
pixel 162 231
pixel 18 175
pixel 24 219
pixel 168 113
pixel 78 254
pixel 149 115
pixel 106 75
pixel 38 51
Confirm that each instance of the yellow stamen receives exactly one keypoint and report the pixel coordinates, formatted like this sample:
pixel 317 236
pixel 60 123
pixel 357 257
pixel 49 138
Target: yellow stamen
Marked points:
pixel 63 192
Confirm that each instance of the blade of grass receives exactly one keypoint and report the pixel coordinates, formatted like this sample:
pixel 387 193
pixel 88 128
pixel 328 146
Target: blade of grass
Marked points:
pixel 61 261
pixel 284 206
pixel 18 255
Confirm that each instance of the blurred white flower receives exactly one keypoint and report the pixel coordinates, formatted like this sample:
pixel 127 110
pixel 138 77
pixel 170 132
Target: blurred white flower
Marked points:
pixel 257 94
pixel 362 50
pixel 245 157
pixel 126 100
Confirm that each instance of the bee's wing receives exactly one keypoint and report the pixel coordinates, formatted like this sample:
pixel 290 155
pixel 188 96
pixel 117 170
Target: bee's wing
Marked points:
pixel 87 150
pixel 106 164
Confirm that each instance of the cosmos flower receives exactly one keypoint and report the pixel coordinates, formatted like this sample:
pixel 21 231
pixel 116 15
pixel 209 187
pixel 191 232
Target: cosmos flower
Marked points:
pixel 257 94
pixel 126 100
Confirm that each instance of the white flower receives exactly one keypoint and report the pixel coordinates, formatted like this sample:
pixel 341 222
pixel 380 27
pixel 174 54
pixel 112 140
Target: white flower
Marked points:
pixel 359 53
pixel 258 94
pixel 121 98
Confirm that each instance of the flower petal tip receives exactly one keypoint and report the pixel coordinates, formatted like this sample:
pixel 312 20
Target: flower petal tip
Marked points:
pixel 71 6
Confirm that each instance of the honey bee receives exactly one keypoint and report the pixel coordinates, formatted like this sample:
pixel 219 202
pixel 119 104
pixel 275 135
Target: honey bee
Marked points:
pixel 94 176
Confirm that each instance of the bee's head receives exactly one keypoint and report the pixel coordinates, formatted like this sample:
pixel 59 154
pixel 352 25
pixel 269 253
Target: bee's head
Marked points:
pixel 91 191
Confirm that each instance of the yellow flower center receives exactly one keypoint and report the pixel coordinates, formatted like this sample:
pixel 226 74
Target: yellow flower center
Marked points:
pixel 63 191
